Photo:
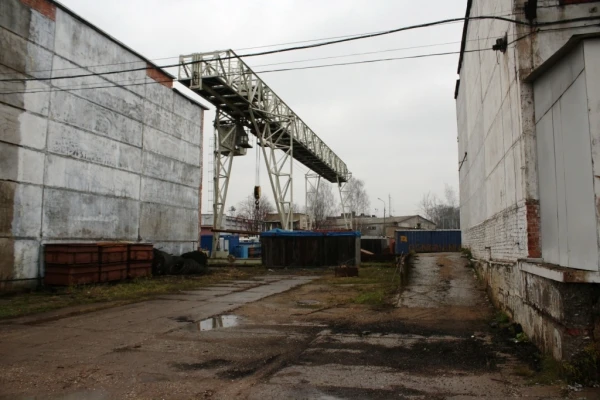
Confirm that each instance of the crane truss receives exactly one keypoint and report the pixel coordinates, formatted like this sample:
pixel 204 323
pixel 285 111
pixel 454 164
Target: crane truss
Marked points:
pixel 243 100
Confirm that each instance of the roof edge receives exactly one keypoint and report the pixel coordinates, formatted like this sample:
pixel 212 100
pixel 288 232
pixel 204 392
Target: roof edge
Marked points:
pixel 97 29
pixel 463 43
pixel 181 93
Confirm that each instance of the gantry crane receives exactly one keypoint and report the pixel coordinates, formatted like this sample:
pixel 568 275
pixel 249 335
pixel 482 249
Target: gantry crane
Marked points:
pixel 245 104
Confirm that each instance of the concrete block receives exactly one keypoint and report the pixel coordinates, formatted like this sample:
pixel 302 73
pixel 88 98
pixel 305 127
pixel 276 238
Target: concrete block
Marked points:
pixel 156 191
pixel 26 259
pixel 83 114
pixel 21 211
pixel 36 101
pixel 23 128
pixel 90 178
pixel 187 109
pixel 66 140
pixel 23 56
pixel 117 99
pixel 167 223
pixel 41 30
pixel 21 164
pixel 169 146
pixel 171 123
pixel 159 94
pixel 86 216
pixel 159 118
pixel 79 43
pixel 168 169
pixel 16 17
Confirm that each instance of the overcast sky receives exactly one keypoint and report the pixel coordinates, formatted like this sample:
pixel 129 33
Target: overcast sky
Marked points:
pixel 393 123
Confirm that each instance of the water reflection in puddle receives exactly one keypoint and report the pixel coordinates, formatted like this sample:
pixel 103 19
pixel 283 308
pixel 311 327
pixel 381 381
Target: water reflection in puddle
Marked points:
pixel 222 321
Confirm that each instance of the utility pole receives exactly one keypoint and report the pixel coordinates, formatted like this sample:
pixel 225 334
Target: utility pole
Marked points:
pixel 390 205
pixel 384 235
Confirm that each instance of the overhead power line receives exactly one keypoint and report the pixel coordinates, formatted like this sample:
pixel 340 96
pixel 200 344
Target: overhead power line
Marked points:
pixel 327 43
pixel 64 88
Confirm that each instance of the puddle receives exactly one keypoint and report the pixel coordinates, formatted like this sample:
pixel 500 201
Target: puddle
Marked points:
pixel 222 321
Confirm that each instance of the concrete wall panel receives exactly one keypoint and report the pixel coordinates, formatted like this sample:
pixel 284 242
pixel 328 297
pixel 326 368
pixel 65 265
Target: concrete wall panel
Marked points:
pixel 169 146
pixel 79 43
pixel 75 111
pixel 72 215
pixel 90 178
pixel 21 211
pixel 22 128
pixel 187 109
pixel 73 162
pixel 171 170
pixel 20 164
pixel 66 140
pixel 118 99
pixel 167 223
pixel 155 191
pixel 159 94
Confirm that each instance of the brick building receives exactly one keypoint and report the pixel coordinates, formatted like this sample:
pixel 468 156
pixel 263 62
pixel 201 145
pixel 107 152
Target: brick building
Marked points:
pixel 528 144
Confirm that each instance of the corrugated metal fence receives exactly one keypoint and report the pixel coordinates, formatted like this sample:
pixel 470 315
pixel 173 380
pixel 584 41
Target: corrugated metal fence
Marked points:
pixel 421 241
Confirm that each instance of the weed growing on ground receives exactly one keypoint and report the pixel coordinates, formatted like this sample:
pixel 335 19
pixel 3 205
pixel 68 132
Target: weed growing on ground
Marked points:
pixel 47 299
pixel 466 252
pixel 374 286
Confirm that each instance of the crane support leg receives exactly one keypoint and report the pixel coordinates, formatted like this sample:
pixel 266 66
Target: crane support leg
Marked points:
pixel 279 164
pixel 311 187
pixel 223 160
pixel 345 204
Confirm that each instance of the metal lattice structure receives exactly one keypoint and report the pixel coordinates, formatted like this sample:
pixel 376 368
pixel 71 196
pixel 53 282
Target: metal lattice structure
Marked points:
pixel 246 104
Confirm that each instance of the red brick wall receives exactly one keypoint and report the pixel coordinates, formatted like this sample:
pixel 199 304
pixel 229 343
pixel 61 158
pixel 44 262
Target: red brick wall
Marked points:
pixel 533 228
pixel 159 76
pixel 44 7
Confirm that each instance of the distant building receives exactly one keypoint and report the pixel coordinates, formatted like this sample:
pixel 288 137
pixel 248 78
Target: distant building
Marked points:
pixel 229 223
pixel 301 221
pixel 375 226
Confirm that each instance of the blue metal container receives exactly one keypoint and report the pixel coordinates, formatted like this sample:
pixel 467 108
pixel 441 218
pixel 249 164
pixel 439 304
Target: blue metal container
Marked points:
pixel 206 242
pixel 421 241
pixel 233 242
pixel 242 251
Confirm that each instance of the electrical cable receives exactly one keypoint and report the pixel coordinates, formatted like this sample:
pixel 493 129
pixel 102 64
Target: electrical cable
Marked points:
pixel 327 43
pixel 258 72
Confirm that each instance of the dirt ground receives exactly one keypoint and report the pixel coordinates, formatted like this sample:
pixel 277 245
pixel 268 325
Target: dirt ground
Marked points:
pixel 281 337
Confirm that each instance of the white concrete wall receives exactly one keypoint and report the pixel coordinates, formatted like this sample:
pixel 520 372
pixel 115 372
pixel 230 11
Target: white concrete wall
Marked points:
pixel 115 163
pixel 496 127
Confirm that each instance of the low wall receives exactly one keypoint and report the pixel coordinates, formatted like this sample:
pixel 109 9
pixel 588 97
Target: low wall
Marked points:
pixel 561 318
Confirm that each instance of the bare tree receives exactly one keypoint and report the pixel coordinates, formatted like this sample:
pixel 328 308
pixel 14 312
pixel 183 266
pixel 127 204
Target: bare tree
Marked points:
pixel 246 210
pixel 358 200
pixel 444 212
pixel 321 205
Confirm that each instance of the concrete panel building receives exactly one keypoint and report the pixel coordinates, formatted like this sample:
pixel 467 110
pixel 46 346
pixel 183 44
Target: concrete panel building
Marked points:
pixel 102 157
pixel 528 145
